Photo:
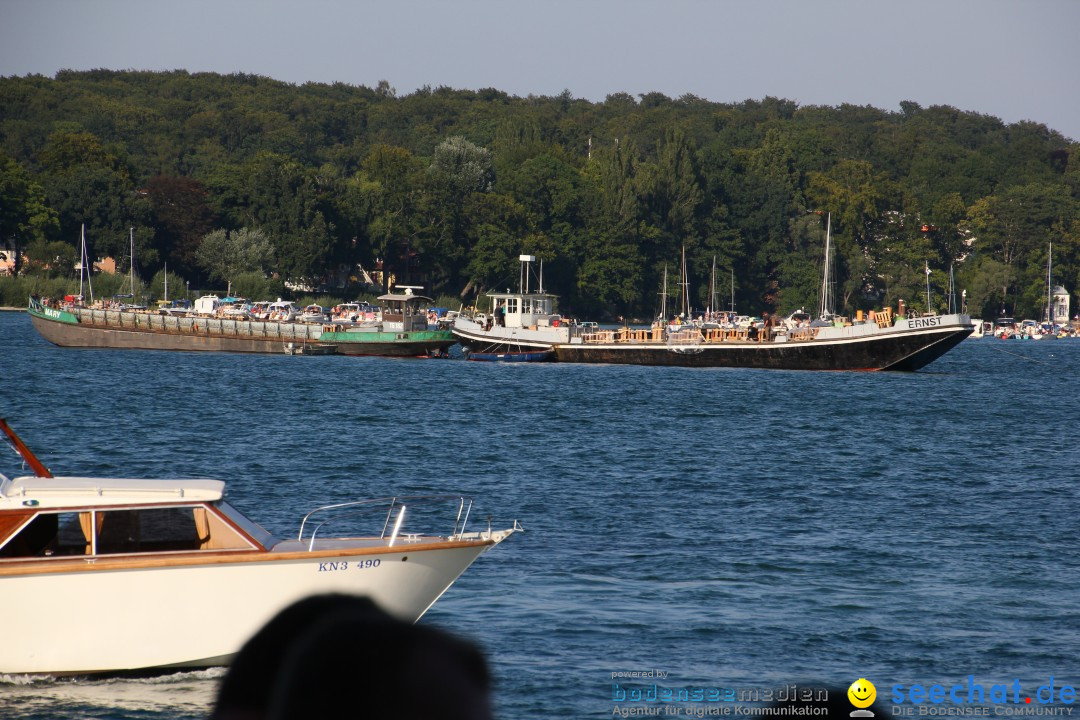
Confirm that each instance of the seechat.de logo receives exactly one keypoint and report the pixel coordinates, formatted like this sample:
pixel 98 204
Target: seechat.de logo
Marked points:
pixel 862 694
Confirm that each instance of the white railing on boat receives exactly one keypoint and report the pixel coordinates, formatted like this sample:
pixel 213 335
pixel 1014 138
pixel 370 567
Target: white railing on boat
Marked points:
pixel 425 507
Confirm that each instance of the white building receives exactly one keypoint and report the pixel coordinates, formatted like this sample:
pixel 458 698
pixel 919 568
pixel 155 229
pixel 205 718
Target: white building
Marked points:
pixel 1060 306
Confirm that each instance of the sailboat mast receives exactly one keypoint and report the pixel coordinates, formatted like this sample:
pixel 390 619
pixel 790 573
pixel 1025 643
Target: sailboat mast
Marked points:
pixel 82 260
pixel 825 311
pixel 663 298
pixel 132 264
pixel 1049 287
pixel 712 290
pixel 685 287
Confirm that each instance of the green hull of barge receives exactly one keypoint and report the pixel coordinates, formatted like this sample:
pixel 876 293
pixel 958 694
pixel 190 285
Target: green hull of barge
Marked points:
pixel 415 343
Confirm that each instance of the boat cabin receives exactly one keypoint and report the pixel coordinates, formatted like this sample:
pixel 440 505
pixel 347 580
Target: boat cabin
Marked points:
pixel 404 312
pixel 207 305
pixel 68 517
pixel 523 310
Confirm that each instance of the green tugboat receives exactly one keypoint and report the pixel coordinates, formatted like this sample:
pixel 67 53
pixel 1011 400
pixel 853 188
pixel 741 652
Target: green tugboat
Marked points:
pixel 400 331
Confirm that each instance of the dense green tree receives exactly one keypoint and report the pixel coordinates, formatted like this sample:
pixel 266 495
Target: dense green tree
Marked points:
pixel 225 255
pixel 182 216
pixel 458 169
pixel 88 185
pixel 24 215
pixel 445 187
pixel 1018 225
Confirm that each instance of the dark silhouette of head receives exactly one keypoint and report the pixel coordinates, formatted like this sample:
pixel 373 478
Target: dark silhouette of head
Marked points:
pixel 343 657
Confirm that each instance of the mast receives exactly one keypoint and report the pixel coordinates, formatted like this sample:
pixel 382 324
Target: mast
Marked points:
pixel 712 291
pixel 927 287
pixel 685 287
pixel 86 269
pixel 131 266
pixel 663 298
pixel 1049 287
pixel 732 291
pixel 166 281
pixel 82 259
pixel 27 454
pixel 825 310
pixel 952 291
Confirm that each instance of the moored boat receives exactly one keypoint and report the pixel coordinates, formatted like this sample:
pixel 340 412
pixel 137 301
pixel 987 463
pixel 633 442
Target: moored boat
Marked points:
pixel 876 344
pixel 69 325
pixel 522 326
pixel 400 331
pixel 109 575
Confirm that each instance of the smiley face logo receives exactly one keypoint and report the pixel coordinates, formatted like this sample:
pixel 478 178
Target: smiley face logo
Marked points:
pixel 862 693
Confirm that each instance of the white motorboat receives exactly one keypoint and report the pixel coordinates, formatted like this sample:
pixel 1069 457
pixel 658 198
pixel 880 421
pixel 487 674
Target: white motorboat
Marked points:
pixel 106 575
pixel 314 314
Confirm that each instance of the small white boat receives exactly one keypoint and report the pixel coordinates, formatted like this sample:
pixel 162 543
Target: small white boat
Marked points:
pixel 314 314
pixel 282 311
pixel 105 575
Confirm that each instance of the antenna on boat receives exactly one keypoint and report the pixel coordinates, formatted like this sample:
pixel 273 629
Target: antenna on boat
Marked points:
pixel 20 447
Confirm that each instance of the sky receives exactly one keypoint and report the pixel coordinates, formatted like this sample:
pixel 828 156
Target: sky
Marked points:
pixel 1013 59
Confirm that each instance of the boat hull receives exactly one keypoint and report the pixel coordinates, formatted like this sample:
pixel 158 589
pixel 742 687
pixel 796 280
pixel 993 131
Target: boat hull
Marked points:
pixel 107 617
pixel 501 344
pixel 508 355
pixel 140 331
pixel 416 343
pixel 907 347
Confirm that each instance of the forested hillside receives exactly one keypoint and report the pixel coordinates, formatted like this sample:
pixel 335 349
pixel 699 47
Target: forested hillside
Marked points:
pixel 447 187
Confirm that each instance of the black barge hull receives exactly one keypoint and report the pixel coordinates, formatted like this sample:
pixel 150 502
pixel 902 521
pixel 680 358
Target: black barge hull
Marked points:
pixel 888 349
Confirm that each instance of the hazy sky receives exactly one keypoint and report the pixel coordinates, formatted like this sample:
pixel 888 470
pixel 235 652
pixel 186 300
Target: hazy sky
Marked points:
pixel 1017 60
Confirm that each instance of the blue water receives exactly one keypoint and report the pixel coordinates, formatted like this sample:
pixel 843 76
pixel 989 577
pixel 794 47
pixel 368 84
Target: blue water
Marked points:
pixel 733 528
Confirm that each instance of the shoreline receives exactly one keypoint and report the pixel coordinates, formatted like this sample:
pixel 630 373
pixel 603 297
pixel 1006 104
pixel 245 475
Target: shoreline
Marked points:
pixel 12 309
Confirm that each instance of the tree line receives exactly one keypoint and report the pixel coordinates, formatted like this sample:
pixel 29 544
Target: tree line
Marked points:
pixel 447 187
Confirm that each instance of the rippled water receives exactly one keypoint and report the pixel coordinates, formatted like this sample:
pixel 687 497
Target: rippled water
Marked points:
pixel 729 527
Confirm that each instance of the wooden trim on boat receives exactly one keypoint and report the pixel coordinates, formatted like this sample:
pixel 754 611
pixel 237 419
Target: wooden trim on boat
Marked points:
pixel 11 521
pixel 94 563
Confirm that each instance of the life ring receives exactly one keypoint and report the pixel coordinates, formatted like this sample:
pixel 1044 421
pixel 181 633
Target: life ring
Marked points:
pixel 554 323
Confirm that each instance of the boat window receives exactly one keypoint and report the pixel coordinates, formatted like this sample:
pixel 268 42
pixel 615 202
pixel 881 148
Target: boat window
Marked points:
pixel 48 535
pixel 147 530
pixel 511 305
pixel 164 529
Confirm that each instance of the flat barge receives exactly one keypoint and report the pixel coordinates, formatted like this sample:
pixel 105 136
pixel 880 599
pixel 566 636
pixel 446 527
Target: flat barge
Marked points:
pixel 909 344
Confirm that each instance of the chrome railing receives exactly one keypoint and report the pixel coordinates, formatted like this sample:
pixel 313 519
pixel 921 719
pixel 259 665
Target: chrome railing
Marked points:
pixel 342 517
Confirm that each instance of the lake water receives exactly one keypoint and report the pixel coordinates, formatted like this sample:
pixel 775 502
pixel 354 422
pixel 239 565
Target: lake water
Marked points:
pixel 731 528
